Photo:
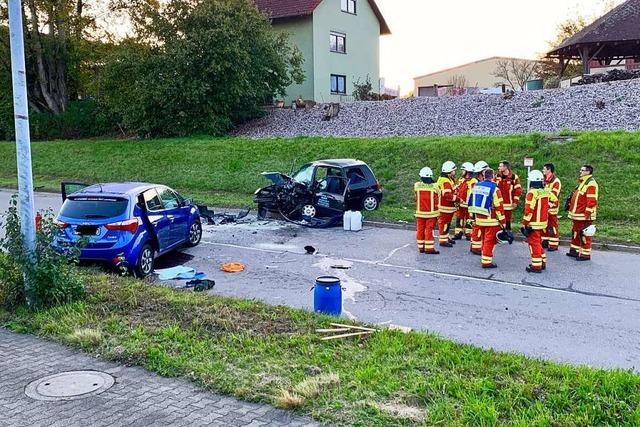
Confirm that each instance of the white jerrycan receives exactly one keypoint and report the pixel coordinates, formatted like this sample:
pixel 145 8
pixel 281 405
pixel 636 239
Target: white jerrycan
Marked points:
pixel 346 220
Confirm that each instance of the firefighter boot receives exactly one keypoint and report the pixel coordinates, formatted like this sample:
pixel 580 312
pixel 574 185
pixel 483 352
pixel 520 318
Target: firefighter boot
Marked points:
pixel 572 253
pixel 531 269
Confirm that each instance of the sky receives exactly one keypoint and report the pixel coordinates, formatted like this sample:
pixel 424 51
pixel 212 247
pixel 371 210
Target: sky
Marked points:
pixel 431 35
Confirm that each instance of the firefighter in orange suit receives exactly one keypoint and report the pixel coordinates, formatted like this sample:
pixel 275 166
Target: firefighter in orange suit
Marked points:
pixel 534 221
pixel 551 237
pixel 448 201
pixel 427 203
pixel 476 231
pixel 510 188
pixel 583 207
pixel 486 203
pixel 462 193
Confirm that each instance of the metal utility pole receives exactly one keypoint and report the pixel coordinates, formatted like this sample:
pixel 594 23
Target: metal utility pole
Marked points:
pixel 23 139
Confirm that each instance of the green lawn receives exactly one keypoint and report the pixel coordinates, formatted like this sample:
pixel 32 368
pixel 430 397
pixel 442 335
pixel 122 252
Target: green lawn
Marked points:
pixel 226 171
pixel 274 355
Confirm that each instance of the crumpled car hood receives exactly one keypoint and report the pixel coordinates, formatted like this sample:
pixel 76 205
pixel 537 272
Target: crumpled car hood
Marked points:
pixel 276 177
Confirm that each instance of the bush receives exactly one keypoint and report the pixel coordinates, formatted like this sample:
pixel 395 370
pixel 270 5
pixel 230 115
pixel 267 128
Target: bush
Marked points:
pixel 82 119
pixel 54 278
pixel 197 67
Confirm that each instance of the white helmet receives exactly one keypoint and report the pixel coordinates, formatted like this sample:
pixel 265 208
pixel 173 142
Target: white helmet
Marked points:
pixel 448 167
pixel 590 231
pixel 480 166
pixel 426 173
pixel 468 167
pixel 536 176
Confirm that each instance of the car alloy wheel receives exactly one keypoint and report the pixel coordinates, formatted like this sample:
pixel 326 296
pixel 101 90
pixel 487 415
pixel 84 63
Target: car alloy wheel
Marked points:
pixel 309 210
pixel 146 260
pixel 195 233
pixel 370 203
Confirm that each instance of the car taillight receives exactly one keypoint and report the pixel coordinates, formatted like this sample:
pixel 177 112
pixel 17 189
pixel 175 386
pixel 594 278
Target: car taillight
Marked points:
pixel 130 225
pixel 61 225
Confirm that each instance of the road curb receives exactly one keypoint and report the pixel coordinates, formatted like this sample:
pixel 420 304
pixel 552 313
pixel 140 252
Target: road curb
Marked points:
pixel 601 246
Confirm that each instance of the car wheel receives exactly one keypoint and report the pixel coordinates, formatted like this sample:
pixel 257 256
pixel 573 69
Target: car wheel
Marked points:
pixel 309 210
pixel 195 234
pixel 370 203
pixel 146 260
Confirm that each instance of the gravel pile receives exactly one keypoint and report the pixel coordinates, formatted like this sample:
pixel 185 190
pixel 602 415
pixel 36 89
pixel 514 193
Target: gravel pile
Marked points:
pixel 605 106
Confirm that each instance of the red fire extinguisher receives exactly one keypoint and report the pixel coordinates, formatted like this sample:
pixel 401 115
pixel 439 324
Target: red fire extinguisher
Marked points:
pixel 38 221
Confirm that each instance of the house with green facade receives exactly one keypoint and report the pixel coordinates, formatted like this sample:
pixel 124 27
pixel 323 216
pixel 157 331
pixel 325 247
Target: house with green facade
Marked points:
pixel 340 42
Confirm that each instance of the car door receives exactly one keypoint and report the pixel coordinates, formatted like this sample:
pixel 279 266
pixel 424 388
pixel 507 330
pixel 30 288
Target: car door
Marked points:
pixel 158 218
pixel 356 188
pixel 177 214
pixel 68 188
pixel 329 199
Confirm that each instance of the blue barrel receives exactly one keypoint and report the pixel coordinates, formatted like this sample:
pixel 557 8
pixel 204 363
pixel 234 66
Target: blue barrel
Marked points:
pixel 327 296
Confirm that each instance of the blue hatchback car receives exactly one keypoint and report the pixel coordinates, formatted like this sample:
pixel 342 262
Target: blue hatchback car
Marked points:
pixel 126 224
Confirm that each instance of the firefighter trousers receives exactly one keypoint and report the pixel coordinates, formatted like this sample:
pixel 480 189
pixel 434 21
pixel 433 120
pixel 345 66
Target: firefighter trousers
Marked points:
pixel 488 242
pixel 581 245
pixel 444 226
pixel 507 218
pixel 476 238
pixel 461 222
pixel 424 234
pixel 538 257
pixel 552 233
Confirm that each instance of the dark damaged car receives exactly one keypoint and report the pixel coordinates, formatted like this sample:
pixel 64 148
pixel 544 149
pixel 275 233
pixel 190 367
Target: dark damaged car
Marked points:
pixel 324 188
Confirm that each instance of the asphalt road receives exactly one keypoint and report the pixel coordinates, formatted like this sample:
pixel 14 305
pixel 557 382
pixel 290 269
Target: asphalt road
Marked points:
pixel 579 313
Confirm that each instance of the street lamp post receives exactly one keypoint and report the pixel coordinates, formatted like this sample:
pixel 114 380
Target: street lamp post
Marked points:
pixel 23 140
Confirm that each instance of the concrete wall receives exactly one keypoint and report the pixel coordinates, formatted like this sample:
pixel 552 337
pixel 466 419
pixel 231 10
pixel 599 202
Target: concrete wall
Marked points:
pixel 363 48
pixel 300 32
pixel 478 74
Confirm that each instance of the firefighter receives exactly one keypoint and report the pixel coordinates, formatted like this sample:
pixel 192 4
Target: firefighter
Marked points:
pixel 551 237
pixel 510 188
pixel 463 227
pixel 427 201
pixel 583 207
pixel 486 203
pixel 534 222
pixel 476 236
pixel 448 200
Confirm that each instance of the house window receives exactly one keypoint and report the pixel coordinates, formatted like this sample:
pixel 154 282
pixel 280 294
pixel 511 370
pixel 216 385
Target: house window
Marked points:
pixel 348 6
pixel 338 42
pixel 338 84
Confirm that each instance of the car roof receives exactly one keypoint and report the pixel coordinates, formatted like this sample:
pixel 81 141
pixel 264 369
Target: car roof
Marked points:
pixel 339 163
pixel 115 189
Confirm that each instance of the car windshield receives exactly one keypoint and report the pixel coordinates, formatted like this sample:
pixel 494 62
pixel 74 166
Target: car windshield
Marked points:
pixel 304 175
pixel 93 208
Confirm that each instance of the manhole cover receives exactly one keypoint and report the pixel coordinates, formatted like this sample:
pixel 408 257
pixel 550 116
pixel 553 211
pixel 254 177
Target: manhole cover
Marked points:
pixel 69 385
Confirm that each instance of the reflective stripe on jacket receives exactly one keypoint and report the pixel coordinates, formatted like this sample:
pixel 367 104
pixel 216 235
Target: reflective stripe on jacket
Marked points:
pixel 427 200
pixel 554 186
pixel 511 190
pixel 584 201
pixel 536 208
pixel 447 195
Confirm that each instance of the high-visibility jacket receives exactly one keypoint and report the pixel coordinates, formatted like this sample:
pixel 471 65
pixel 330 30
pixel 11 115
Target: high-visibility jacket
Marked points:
pixel 447 195
pixel 554 186
pixel 464 189
pixel 511 190
pixel 492 214
pixel 427 200
pixel 536 208
pixel 584 200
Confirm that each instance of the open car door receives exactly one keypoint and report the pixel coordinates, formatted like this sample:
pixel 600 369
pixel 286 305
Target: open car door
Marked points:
pixel 68 188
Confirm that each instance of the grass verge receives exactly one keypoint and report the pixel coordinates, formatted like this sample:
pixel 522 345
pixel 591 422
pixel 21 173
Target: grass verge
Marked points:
pixel 272 354
pixel 226 171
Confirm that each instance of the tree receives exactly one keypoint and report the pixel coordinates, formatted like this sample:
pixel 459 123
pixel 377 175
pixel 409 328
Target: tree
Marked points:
pixel 196 66
pixel 516 72
pixel 53 32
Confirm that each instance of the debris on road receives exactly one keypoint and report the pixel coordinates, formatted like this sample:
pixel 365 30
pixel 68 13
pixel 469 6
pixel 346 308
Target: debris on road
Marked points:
pixel 310 250
pixel 350 331
pixel 232 267
pixel 213 218
pixel 200 285
pixel 179 273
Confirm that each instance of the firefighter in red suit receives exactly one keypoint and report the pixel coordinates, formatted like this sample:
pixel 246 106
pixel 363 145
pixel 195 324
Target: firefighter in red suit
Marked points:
pixel 551 237
pixel 535 218
pixel 510 188
pixel 427 203
pixel 462 194
pixel 448 200
pixel 486 203
pixel 583 207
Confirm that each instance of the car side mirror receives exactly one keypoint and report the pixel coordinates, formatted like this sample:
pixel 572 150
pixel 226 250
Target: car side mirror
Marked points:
pixel 187 202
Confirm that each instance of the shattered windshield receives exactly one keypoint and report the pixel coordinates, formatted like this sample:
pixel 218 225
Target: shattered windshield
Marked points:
pixel 304 175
